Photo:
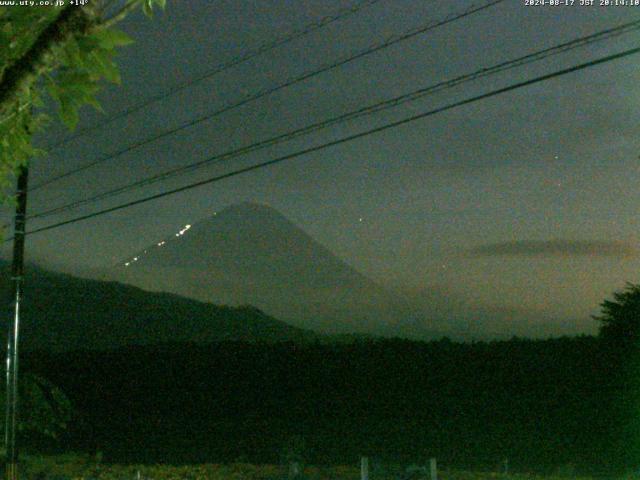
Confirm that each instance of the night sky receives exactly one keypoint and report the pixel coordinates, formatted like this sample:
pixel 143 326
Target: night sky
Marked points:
pixel 525 204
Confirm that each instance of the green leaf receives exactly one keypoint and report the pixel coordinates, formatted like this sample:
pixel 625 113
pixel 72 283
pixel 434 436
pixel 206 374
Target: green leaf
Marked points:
pixel 54 91
pixel 69 114
pixel 148 5
pixel 112 38
pixel 147 8
pixel 71 90
pixel 72 53
pixel 36 99
pixel 88 43
pixel 93 101
pixel 106 66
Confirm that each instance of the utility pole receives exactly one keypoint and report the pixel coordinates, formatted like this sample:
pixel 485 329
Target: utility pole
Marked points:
pixel 17 280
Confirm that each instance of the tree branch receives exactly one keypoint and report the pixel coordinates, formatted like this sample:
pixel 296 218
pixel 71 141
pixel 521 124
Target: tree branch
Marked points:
pixel 25 71
pixel 127 8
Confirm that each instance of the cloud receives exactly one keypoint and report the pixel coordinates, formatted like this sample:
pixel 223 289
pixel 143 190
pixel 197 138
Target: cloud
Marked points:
pixel 548 248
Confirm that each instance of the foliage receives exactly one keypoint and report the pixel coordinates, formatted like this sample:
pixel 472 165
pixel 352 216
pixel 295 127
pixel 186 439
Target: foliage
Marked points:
pixel 62 51
pixel 44 408
pixel 540 404
pixel 295 450
pixel 66 466
pixel 620 318
pixel 620 333
pixel 78 467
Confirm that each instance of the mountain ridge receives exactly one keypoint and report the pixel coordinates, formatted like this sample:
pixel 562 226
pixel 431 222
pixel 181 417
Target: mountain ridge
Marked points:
pixel 63 312
pixel 252 254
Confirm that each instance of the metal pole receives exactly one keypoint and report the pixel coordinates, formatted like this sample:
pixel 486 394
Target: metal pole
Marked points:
pixel 17 279
pixel 364 468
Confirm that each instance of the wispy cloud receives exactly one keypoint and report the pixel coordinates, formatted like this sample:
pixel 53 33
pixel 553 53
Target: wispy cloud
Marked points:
pixel 592 248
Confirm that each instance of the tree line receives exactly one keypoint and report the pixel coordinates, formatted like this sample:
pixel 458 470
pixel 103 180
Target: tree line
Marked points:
pixel 543 404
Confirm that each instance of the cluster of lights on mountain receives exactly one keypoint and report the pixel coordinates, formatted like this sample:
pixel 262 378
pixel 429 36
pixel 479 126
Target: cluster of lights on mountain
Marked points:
pixel 181 232
pixel 159 244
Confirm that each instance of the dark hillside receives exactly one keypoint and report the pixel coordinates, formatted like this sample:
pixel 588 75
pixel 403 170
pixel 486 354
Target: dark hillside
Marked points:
pixel 541 404
pixel 62 312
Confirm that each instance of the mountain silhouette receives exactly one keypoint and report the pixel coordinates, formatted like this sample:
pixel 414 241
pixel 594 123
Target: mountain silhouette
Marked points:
pixel 252 254
pixel 63 312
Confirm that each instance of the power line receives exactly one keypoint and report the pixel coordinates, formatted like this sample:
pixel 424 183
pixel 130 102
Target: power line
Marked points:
pixel 288 83
pixel 368 110
pixel 346 139
pixel 278 42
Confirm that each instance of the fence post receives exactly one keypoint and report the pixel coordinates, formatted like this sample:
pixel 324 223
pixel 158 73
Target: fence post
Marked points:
pixel 364 468
pixel 433 467
pixel 294 470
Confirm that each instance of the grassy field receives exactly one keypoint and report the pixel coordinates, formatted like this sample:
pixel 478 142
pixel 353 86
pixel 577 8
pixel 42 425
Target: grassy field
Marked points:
pixel 77 468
